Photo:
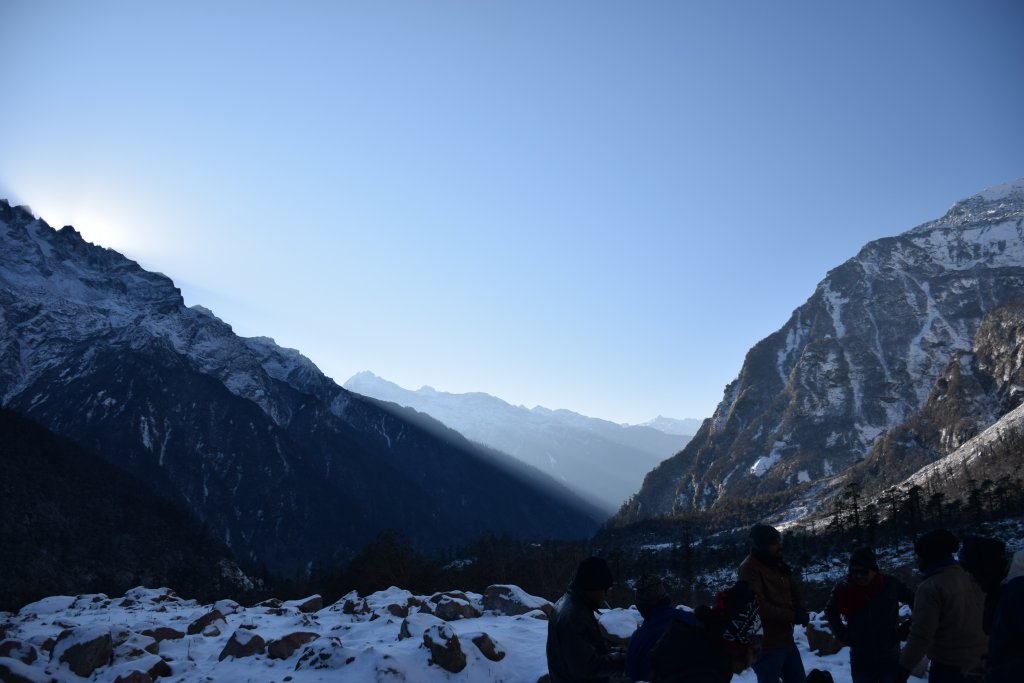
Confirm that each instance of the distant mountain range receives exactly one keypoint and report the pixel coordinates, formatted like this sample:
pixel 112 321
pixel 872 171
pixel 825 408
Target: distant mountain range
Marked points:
pixel 901 355
pixel 602 461
pixel 281 464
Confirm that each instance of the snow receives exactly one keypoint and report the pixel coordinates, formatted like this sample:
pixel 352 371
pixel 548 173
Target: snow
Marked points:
pixel 360 646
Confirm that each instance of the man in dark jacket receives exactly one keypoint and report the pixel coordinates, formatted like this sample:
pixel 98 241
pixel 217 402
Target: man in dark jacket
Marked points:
pixel 576 650
pixel 948 609
pixel 1006 639
pixel 864 612
pixel 780 604
pixel 655 606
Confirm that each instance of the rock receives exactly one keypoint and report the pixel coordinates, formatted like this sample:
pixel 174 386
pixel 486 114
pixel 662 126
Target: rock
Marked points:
pixel 16 649
pixel 512 600
pixel 84 649
pixel 201 625
pixel 243 643
pixel 134 677
pixel 285 647
pixel 488 647
pixel 453 606
pixel 226 607
pixel 445 648
pixel 821 641
pixel 325 653
pixel 414 625
pixel 313 603
pixel 161 633
pixel 272 603
pixel 13 671
pixel 135 646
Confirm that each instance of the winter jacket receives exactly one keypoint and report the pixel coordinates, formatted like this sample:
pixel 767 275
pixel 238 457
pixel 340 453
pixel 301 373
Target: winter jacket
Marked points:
pixel 948 610
pixel 1006 640
pixel 778 598
pixel 576 650
pixel 656 624
pixel 689 653
pixel 872 616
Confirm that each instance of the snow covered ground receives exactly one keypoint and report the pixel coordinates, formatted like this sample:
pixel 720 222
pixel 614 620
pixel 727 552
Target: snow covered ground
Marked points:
pixel 385 636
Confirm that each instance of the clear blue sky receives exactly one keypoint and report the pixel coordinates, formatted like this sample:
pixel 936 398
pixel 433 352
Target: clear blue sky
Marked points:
pixel 591 205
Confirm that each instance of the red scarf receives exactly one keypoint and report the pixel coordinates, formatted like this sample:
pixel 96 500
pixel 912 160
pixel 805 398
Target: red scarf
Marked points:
pixel 852 597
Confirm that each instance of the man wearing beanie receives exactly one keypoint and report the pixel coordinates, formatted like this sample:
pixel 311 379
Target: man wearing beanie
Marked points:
pixel 948 613
pixel 864 613
pixel 780 606
pixel 655 606
pixel 576 650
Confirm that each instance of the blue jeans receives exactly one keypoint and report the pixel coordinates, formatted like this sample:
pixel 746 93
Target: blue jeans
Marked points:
pixel 784 663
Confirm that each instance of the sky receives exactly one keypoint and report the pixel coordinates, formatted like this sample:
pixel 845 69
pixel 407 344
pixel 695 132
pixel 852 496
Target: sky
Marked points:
pixel 591 205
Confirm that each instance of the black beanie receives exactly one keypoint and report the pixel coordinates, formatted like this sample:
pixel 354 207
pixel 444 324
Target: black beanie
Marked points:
pixel 764 535
pixel 936 545
pixel 864 557
pixel 593 574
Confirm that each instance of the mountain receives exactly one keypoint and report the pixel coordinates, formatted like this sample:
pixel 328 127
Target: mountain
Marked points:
pixel 70 523
pixel 600 460
pixel 686 427
pixel 283 465
pixel 858 359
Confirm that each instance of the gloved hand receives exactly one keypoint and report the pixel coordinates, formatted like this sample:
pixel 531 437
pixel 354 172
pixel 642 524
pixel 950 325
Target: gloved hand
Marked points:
pixel 903 630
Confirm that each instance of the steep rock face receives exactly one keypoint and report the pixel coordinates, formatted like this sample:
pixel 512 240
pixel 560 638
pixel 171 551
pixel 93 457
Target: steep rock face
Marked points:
pixel 597 459
pixel 857 359
pixel 280 462
pixel 975 390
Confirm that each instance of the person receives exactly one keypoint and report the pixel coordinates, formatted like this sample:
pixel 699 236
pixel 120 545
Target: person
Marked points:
pixel 576 650
pixel 987 561
pixel 1006 638
pixel 780 603
pixel 948 607
pixel 714 644
pixel 864 613
pixel 655 606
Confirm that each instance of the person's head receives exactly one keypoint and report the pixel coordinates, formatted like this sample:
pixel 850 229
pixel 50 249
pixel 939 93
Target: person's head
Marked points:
pixel 986 559
pixel 863 566
pixel 766 539
pixel 650 594
pixel 593 580
pixel 934 547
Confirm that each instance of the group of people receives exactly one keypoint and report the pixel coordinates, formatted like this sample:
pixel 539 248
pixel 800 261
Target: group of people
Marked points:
pixel 966 617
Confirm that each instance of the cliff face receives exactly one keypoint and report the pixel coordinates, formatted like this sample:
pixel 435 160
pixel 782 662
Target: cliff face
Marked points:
pixel 858 359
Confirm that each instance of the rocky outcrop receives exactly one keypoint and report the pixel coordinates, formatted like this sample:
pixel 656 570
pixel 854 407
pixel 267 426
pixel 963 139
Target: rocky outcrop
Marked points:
pixel 445 648
pixel 858 359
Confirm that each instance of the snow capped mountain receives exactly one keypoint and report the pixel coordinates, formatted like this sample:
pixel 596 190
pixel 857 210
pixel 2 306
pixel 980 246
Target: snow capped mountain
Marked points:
pixel 600 460
pixel 859 358
pixel 279 461
pixel 670 425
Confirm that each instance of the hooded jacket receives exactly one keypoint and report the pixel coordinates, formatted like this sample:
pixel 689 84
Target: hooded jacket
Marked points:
pixel 576 650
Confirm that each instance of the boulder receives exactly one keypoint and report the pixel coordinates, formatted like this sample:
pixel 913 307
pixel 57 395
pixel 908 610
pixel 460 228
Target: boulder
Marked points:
pixel 821 641
pixel 313 603
pixel 415 624
pixel 203 624
pixel 324 653
pixel 13 671
pixel 134 677
pixel 83 649
pixel 452 606
pixel 243 643
pixel 162 633
pixel 445 648
pixel 285 647
pixel 488 647
pixel 512 600
pixel 16 649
